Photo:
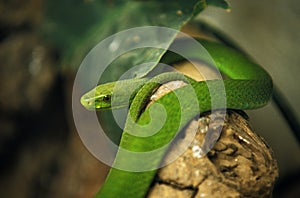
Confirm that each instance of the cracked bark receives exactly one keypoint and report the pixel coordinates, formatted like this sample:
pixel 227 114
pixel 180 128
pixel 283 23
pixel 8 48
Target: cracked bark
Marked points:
pixel 241 164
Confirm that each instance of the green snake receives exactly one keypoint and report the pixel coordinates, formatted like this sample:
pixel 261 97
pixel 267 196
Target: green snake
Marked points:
pixel 248 86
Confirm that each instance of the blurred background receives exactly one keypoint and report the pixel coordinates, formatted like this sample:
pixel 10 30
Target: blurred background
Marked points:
pixel 41 154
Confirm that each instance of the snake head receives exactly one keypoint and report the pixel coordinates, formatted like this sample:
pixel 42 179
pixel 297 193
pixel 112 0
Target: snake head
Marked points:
pixel 112 95
pixel 97 99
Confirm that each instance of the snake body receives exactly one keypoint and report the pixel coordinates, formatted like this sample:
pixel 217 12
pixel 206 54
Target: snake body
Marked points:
pixel 248 86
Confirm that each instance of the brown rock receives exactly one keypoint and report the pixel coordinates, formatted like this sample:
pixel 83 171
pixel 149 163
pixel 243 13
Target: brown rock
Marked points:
pixel 240 164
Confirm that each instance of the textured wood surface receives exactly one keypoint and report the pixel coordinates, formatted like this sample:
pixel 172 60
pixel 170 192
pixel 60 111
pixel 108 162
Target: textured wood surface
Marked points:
pixel 240 164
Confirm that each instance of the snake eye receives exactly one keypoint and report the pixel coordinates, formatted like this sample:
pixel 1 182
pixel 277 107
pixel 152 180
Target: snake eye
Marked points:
pixel 106 98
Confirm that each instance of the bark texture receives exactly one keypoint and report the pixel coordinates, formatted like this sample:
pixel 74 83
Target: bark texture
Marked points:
pixel 241 164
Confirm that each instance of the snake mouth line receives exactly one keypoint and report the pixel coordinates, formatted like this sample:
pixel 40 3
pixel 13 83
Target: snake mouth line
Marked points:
pixel 87 103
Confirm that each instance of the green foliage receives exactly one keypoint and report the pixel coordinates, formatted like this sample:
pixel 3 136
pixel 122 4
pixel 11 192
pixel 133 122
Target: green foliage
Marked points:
pixel 76 26
pixel 219 3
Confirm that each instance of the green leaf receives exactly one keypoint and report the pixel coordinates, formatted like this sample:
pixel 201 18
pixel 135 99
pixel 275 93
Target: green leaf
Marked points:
pixel 219 3
pixel 75 27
